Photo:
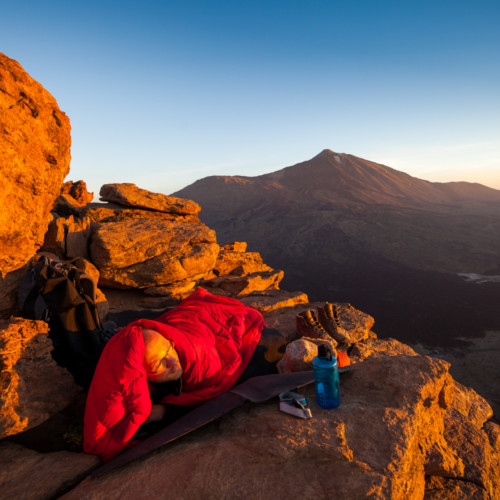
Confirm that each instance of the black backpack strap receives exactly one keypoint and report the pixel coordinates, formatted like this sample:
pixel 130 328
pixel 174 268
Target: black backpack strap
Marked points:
pixel 30 300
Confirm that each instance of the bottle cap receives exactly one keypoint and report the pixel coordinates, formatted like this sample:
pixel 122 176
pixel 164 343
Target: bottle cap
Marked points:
pixel 324 351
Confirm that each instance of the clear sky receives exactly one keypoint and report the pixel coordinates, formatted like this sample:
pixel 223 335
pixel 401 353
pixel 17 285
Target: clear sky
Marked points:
pixel 162 93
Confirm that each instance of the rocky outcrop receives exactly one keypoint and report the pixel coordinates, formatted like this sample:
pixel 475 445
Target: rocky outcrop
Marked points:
pixel 73 197
pixel 155 243
pixel 78 192
pixel 145 240
pixel 32 385
pixel 34 159
pixel 242 273
pixel 404 429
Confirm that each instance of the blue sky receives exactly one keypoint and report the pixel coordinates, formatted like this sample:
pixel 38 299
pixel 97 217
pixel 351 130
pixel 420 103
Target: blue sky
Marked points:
pixel 162 93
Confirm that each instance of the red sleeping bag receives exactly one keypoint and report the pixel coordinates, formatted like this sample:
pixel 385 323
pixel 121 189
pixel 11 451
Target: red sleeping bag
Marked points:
pixel 215 338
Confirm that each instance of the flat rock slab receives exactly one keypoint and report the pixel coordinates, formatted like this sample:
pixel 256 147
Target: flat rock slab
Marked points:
pixel 132 196
pixel 270 300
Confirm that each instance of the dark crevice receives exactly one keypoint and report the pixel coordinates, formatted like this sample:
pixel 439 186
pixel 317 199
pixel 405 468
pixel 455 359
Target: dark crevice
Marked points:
pixel 477 483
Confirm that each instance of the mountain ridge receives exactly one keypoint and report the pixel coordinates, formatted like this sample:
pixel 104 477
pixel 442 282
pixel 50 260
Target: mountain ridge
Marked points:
pixel 340 179
pixel 348 229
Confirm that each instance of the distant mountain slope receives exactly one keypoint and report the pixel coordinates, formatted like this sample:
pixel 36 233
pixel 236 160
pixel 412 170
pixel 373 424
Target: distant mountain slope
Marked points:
pixel 344 228
pixel 452 227
pixel 334 179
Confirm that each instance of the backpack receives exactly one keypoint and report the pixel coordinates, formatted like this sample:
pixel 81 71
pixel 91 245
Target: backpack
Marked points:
pixel 65 297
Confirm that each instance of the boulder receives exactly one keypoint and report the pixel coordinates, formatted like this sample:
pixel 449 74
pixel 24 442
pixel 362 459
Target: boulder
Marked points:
pixel 34 159
pixel 32 386
pixel 74 196
pixel 374 347
pixel 68 237
pixel 55 238
pixel 240 273
pixel 238 263
pixel 403 430
pixel 78 192
pixel 78 238
pixel 65 206
pixel 132 196
pixel 141 253
pixel 235 246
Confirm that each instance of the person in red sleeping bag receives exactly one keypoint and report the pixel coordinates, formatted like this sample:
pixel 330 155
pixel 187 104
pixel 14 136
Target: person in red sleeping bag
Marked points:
pixel 185 357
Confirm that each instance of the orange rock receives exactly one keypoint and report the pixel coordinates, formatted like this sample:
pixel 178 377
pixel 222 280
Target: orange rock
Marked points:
pixel 78 192
pixel 68 237
pixel 391 437
pixel 34 160
pixel 112 212
pixel 132 196
pixel 250 283
pixel 234 263
pixel 236 246
pixel 32 386
pixel 141 253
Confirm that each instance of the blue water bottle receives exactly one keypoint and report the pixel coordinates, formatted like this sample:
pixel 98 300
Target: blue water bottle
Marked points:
pixel 326 378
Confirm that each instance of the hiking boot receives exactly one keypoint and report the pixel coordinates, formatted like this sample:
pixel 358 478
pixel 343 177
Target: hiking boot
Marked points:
pixel 329 319
pixel 309 326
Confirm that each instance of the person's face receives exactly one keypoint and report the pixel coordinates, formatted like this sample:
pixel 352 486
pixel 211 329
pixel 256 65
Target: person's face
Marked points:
pixel 161 360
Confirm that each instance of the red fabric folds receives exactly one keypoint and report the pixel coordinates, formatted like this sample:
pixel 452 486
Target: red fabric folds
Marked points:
pixel 215 338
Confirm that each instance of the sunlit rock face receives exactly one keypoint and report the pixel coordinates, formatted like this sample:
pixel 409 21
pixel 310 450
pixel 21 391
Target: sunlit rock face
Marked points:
pixel 142 248
pixel 78 192
pixel 241 273
pixel 404 429
pixel 32 386
pixel 152 252
pixel 34 159
pixel 152 244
